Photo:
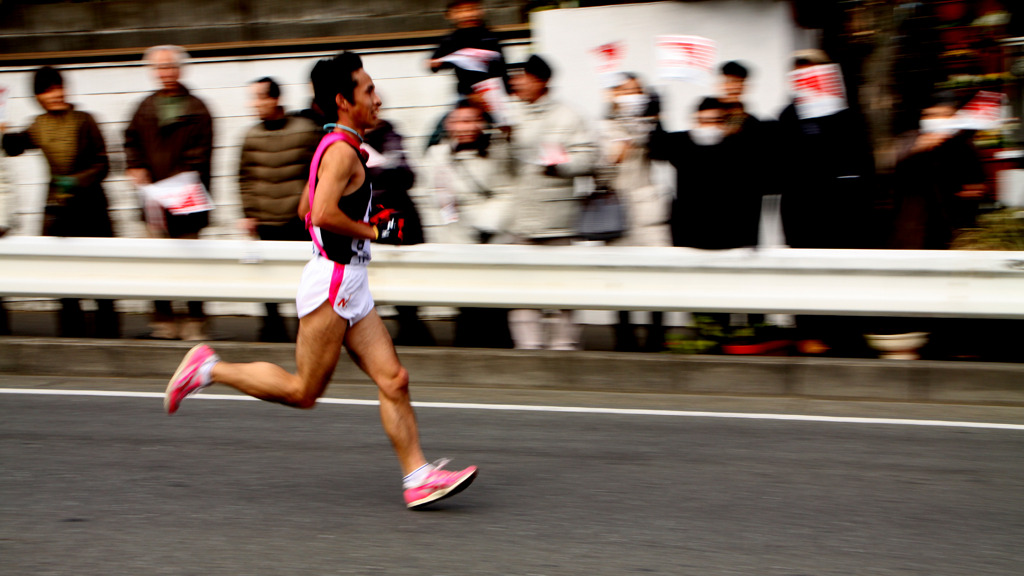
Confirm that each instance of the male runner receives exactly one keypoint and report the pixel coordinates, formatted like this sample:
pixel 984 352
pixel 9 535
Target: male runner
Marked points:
pixel 334 303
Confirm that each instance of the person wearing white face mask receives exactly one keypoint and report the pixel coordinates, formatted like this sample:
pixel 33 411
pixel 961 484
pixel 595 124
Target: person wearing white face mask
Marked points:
pixel 938 180
pixel 625 168
pixel 718 201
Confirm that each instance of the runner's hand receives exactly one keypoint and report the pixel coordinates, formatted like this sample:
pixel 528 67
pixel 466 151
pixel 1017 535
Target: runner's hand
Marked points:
pixel 388 223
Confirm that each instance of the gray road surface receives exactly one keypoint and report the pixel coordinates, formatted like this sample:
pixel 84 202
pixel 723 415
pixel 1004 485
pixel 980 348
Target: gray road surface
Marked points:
pixel 111 486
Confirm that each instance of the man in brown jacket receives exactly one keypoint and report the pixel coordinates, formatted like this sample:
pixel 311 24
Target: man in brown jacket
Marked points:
pixel 171 133
pixel 272 174
pixel 76 205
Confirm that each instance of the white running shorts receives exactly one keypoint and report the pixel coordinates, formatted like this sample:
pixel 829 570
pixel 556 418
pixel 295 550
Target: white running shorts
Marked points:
pixel 346 287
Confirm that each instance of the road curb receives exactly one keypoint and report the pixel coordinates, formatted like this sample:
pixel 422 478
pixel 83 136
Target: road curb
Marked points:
pixel 780 377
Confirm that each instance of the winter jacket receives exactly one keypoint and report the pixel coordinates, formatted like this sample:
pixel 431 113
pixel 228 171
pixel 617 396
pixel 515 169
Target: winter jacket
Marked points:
pixel 393 179
pixel 646 203
pixel 181 144
pixel 274 167
pixel 547 206
pixel 74 149
pixel 472 191
pixel 718 200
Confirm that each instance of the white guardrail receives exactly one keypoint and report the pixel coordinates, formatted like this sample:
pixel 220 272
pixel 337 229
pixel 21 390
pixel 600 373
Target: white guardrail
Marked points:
pixel 844 282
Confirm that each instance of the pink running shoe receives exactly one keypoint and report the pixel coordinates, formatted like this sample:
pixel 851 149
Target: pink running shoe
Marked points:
pixel 439 484
pixel 187 380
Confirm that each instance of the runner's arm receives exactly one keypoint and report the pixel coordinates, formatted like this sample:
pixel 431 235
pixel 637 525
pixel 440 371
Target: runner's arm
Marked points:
pixel 339 168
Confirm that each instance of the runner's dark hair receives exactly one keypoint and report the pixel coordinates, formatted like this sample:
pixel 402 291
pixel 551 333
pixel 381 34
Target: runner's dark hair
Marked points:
pixel 332 77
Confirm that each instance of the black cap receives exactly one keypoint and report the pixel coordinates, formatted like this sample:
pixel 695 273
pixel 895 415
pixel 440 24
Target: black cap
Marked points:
pixel 537 67
pixel 735 69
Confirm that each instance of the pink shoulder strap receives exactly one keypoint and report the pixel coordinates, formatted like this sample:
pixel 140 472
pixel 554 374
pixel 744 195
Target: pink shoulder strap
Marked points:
pixel 314 169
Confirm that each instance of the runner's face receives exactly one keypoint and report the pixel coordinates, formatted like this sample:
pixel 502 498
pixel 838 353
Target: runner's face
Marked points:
pixel 366 105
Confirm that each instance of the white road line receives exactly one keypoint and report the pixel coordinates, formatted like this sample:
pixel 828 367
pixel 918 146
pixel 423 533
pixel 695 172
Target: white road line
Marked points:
pixel 562 409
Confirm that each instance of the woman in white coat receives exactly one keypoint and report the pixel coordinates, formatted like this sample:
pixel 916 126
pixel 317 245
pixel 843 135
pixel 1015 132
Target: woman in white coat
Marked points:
pixel 626 168
pixel 470 177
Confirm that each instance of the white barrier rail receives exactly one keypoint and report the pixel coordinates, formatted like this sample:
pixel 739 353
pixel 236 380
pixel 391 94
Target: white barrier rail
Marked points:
pixel 843 282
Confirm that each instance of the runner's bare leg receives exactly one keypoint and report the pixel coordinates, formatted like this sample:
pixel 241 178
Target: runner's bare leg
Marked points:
pixel 370 345
pixel 321 334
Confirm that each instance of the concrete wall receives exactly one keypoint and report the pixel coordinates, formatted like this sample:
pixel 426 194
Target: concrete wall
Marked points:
pixel 55 25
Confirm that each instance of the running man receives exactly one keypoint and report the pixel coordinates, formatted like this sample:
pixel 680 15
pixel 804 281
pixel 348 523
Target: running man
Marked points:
pixel 334 303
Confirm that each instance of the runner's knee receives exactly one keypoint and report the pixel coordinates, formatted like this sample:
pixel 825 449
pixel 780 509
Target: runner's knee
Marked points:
pixel 301 395
pixel 395 385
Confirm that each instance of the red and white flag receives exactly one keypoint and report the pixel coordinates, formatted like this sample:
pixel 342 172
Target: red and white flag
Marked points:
pixel 609 58
pixel 472 59
pixel 495 99
pixel 685 57
pixel 182 193
pixel 818 90
pixel 983 112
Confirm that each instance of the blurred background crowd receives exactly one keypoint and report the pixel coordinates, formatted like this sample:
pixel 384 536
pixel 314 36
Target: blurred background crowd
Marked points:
pixel 896 126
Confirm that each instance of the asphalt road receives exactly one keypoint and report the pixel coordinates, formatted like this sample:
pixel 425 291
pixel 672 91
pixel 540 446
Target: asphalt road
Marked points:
pixel 112 486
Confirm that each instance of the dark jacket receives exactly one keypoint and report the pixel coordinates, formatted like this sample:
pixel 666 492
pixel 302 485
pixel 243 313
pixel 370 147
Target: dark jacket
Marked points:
pixel 74 149
pixel 825 170
pixel 479 37
pixel 183 144
pixel 928 210
pixel 718 201
pixel 392 181
pixel 274 167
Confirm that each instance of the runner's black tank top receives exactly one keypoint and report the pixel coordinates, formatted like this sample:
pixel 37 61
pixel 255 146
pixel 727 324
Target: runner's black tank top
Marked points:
pixel 338 247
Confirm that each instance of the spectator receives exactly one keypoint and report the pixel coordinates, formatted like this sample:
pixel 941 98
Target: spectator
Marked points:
pixel 626 168
pixel 272 173
pixel 939 180
pixel 551 145
pixel 6 223
pixel 828 160
pixel 314 114
pixel 470 32
pixel 482 58
pixel 392 178
pixel 171 133
pixel 75 202
pixel 732 85
pixel 718 202
pixel 470 175
pixel 718 194
pixel 825 168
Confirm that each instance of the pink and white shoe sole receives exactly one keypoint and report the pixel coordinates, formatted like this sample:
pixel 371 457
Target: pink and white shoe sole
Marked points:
pixel 465 478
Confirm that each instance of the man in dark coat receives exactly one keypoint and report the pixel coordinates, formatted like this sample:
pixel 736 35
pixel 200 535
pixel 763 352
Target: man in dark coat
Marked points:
pixel 939 180
pixel 171 133
pixel 718 203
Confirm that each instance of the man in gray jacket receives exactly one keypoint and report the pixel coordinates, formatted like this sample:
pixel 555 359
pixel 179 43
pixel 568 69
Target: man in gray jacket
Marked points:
pixel 272 174
pixel 551 145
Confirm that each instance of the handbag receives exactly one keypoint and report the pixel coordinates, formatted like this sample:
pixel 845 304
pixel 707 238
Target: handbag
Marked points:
pixel 602 217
